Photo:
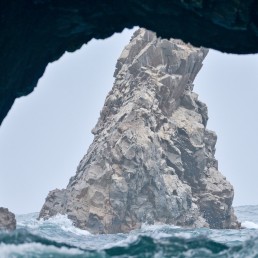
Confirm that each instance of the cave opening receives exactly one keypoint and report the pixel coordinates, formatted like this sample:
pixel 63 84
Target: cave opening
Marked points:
pixel 46 134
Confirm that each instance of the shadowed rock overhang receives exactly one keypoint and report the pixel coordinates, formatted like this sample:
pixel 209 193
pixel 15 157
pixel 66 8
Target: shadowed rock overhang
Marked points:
pixel 37 32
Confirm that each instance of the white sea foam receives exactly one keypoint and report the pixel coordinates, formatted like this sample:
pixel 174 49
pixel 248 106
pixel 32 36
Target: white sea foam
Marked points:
pixel 156 227
pixel 158 230
pixel 186 235
pixel 124 242
pixel 28 220
pixel 249 224
pixel 34 249
pixel 60 221
pixel 65 224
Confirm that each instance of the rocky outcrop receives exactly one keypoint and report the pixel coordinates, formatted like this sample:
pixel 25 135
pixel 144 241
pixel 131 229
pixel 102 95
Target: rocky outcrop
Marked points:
pixel 37 32
pixel 7 220
pixel 152 158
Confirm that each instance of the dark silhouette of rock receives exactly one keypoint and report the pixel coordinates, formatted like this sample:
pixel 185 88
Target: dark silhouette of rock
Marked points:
pixel 7 220
pixel 152 158
pixel 37 32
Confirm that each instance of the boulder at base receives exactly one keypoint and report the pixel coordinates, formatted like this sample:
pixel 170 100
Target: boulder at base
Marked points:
pixel 7 220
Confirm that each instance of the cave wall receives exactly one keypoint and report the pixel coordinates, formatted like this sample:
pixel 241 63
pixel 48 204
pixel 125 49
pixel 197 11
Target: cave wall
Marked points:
pixel 37 32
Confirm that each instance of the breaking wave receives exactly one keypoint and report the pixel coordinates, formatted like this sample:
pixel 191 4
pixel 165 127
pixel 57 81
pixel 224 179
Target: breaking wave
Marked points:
pixel 24 244
pixel 57 237
pixel 249 224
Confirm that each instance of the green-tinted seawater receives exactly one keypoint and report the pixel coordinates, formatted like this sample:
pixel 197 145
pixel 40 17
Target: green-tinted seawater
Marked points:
pixel 57 237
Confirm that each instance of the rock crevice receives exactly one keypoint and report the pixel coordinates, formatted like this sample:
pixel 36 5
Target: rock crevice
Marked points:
pixel 152 158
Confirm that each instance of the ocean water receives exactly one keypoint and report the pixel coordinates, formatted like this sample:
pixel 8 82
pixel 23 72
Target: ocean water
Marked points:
pixel 57 237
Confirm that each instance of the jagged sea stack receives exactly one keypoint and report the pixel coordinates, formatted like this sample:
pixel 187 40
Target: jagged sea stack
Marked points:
pixel 152 158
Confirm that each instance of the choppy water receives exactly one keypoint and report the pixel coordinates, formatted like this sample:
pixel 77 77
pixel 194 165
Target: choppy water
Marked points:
pixel 57 237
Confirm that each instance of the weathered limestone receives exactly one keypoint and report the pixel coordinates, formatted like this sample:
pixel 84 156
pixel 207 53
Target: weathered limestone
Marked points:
pixel 7 220
pixel 152 158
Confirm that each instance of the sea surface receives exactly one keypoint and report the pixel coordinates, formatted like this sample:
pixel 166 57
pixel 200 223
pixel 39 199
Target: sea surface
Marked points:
pixel 57 237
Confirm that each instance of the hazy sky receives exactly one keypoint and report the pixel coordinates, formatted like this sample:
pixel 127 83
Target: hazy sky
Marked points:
pixel 46 133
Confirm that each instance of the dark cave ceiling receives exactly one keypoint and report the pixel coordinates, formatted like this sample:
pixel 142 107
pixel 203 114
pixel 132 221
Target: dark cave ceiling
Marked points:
pixel 37 32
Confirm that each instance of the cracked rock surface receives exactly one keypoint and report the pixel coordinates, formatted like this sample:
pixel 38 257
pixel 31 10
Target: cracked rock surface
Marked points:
pixel 152 158
pixel 7 220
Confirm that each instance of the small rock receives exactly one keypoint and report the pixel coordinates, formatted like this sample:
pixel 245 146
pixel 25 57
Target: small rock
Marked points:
pixel 7 220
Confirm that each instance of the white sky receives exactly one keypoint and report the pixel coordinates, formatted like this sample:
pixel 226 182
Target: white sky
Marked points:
pixel 46 133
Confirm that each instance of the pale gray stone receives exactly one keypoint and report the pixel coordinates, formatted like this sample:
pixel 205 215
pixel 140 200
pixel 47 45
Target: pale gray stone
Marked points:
pixel 7 220
pixel 152 158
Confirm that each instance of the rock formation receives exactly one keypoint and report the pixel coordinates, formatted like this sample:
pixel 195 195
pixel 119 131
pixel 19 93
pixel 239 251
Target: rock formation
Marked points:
pixel 152 158
pixel 35 33
pixel 7 219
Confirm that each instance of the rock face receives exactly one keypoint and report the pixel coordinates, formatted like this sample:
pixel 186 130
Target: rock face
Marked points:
pixel 35 33
pixel 7 219
pixel 152 158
